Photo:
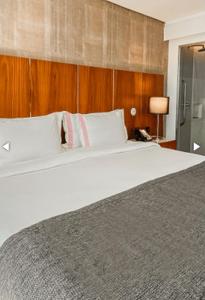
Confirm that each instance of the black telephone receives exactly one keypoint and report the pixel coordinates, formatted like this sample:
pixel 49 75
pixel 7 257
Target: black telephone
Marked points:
pixel 141 134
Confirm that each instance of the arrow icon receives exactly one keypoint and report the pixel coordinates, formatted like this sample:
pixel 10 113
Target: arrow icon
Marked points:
pixel 7 146
pixel 195 146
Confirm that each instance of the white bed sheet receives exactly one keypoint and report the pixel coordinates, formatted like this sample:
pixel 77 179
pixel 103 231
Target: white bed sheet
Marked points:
pixel 37 190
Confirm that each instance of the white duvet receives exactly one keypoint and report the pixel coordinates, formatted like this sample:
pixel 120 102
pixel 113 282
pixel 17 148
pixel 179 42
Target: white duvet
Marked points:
pixel 36 190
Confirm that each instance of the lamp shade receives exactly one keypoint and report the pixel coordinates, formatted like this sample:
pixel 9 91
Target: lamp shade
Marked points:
pixel 159 105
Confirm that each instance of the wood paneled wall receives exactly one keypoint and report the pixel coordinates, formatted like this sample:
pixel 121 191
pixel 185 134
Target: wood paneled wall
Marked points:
pixel 14 87
pixel 95 89
pixel 53 87
pixel 34 87
pixel 128 92
pixel 152 85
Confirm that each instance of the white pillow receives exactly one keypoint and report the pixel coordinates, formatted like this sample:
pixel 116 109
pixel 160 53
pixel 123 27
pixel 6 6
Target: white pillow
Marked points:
pixel 59 119
pixel 71 128
pixel 57 115
pixel 99 129
pixel 30 138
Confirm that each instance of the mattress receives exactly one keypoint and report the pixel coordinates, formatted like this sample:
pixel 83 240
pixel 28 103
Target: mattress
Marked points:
pixel 37 190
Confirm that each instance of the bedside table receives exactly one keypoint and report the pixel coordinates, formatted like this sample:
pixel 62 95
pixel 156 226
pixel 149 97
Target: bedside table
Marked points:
pixel 171 144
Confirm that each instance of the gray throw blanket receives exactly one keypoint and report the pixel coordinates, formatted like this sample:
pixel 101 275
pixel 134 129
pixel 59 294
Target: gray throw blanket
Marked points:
pixel 146 243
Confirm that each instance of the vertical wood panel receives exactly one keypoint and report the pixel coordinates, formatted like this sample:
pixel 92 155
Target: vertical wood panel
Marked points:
pixel 134 90
pixel 128 87
pixel 95 89
pixel 54 87
pixel 50 86
pixel 14 87
pixel 152 85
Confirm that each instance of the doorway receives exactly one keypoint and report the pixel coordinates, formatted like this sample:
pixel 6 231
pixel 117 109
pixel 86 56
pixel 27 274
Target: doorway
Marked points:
pixel 191 104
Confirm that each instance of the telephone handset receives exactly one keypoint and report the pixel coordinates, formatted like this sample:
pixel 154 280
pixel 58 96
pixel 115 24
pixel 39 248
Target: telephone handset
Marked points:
pixel 141 134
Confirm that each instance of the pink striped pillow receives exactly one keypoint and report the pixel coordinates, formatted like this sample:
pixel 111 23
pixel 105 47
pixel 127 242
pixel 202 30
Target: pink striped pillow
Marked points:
pixel 71 128
pixel 84 131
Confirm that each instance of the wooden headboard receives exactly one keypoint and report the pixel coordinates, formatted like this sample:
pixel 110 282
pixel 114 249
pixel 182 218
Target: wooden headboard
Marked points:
pixel 30 87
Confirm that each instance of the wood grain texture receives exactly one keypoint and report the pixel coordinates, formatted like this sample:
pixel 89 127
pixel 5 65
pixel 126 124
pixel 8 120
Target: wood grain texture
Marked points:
pixel 128 87
pixel 169 144
pixel 54 87
pixel 14 87
pixel 95 89
pixel 40 87
pixel 152 85
pixel 134 89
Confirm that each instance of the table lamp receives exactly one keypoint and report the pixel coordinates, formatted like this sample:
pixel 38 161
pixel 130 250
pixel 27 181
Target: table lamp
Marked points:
pixel 159 106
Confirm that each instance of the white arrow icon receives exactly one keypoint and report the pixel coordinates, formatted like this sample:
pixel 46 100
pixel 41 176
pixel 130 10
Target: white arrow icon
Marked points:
pixel 7 146
pixel 195 146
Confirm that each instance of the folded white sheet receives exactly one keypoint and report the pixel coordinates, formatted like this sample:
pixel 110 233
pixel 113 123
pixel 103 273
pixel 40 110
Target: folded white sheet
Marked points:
pixel 68 156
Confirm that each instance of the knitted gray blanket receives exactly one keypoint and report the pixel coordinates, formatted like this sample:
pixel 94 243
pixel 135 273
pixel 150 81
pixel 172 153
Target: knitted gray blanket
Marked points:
pixel 145 243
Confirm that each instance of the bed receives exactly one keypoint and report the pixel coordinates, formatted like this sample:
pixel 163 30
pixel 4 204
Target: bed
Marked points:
pixel 118 222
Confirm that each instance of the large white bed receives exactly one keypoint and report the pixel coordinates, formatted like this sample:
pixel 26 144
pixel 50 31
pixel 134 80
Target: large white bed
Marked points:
pixel 36 190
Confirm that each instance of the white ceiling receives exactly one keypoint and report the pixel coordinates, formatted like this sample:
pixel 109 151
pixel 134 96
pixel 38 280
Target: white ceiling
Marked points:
pixel 164 10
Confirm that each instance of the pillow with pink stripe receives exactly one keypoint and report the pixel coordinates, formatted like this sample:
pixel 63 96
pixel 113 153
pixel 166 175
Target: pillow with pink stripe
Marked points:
pixel 71 128
pixel 101 129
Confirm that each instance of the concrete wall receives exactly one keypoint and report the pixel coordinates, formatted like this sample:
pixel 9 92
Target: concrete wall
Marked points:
pixel 89 32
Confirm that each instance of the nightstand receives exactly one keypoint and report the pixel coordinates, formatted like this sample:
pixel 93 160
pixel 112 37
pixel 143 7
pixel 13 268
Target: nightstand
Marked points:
pixel 171 144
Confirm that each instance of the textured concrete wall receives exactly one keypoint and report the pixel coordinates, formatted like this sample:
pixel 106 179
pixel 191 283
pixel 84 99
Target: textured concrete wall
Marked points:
pixel 89 32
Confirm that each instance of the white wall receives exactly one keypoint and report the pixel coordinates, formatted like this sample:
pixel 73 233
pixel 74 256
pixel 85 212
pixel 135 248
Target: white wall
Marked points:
pixel 185 27
pixel 179 33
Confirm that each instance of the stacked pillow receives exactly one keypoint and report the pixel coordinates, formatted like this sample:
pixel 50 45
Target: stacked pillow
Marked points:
pixel 31 138
pixel 71 128
pixel 95 129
